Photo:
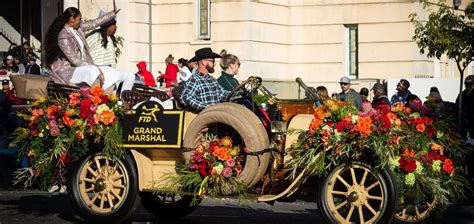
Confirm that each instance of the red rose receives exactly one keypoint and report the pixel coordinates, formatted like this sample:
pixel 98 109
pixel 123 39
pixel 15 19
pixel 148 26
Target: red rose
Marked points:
pixel 383 108
pixel 204 170
pixel 343 126
pixel 448 166
pixel 430 132
pixel 85 108
pixel 65 158
pixel 105 99
pixel 407 165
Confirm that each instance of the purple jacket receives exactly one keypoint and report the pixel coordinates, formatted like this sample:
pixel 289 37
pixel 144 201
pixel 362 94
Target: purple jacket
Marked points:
pixel 63 68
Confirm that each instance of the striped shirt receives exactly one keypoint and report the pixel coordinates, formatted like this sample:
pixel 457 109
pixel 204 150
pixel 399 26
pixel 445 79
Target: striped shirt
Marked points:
pixel 202 90
pixel 100 55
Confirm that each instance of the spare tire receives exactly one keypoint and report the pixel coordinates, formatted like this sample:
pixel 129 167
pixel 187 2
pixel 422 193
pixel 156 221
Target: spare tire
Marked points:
pixel 246 124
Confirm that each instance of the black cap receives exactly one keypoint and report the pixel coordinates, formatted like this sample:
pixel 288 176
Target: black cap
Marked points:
pixel 5 82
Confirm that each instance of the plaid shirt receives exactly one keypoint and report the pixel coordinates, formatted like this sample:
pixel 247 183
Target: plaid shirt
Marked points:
pixel 202 90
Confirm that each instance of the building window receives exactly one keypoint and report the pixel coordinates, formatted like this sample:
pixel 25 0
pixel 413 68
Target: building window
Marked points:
pixel 204 19
pixel 351 48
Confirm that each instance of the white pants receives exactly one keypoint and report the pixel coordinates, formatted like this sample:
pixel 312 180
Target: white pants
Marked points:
pixel 90 73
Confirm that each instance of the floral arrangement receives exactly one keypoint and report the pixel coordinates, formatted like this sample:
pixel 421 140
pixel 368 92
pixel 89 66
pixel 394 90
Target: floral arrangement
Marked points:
pixel 212 170
pixel 61 130
pixel 422 152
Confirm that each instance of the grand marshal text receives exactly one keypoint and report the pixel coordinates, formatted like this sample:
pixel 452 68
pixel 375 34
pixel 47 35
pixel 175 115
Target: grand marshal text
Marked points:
pixel 147 134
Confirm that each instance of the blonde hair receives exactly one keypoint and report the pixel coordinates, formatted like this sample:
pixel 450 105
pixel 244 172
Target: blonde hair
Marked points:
pixel 169 59
pixel 322 92
pixel 228 59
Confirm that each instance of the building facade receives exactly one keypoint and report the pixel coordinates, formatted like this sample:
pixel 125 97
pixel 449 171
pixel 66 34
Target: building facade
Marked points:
pixel 279 40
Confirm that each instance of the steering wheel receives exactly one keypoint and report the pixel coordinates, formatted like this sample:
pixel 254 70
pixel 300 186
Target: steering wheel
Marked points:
pixel 238 92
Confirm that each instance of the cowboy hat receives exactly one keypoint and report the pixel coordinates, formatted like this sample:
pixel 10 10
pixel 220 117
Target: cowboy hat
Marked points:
pixel 204 53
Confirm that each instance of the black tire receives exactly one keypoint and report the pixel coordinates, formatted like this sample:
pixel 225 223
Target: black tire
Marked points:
pixel 246 124
pixel 428 212
pixel 165 209
pixel 107 196
pixel 338 200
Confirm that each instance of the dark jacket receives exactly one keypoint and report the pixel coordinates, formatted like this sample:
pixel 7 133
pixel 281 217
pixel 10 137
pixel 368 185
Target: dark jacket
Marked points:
pixel 227 81
pixel 33 69
pixel 351 96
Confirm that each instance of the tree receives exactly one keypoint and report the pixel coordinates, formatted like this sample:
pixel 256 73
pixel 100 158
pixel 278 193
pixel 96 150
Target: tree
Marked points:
pixel 446 32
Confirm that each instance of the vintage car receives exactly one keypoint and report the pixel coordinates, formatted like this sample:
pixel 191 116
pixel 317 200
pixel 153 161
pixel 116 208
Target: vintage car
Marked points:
pixel 105 190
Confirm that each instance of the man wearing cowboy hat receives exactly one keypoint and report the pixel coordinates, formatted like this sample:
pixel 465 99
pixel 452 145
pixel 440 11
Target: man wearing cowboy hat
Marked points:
pixel 202 90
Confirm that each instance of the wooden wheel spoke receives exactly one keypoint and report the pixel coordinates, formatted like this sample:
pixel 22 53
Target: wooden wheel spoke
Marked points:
pixel 109 198
pixel 349 214
pixel 370 208
pixel 89 190
pixel 374 197
pixel 118 177
pixel 116 195
pixel 341 204
pixel 353 175
pixel 339 193
pixel 102 200
pixel 343 181
pixel 118 186
pixel 97 164
pixel 96 195
pixel 361 214
pixel 372 186
pixel 95 174
pixel 88 180
pixel 362 182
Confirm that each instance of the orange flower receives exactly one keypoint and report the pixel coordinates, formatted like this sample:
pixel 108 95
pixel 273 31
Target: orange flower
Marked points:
pixel 420 127
pixel 315 124
pixel 448 166
pixel 51 110
pixel 221 153
pixel 397 107
pixel 391 115
pixel 107 117
pixel 406 110
pixel 97 91
pixel 319 112
pixel 363 126
pixel 436 147
pixel 96 100
pixel 409 152
pixel 73 102
pixel 68 121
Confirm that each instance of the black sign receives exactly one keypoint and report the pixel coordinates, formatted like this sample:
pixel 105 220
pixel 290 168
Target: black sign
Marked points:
pixel 150 126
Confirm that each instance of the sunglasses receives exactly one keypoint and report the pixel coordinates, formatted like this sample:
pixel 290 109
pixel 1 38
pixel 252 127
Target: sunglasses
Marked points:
pixel 211 60
pixel 344 84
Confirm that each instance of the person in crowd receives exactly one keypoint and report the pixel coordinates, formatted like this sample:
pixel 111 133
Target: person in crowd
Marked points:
pixel 230 65
pixel 334 96
pixel 184 73
pixel 433 106
pixel 466 114
pixel 402 92
pixel 193 67
pixel 17 62
pixel 364 94
pixel 147 76
pixel 9 65
pixel 414 103
pixel 8 123
pixel 202 90
pixel 24 52
pixel 67 54
pixel 348 94
pixel 171 72
pixel 32 67
pixel 10 94
pixel 323 95
pixel 103 43
pixel 379 96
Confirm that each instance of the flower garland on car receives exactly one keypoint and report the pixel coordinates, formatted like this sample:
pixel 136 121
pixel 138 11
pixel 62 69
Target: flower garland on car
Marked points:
pixel 212 170
pixel 61 130
pixel 422 152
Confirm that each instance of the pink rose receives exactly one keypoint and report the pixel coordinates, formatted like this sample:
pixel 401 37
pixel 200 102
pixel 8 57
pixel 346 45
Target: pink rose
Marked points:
pixel 230 163
pixel 227 172
pixel 54 131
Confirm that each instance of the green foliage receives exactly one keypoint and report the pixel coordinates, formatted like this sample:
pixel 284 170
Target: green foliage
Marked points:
pixel 445 32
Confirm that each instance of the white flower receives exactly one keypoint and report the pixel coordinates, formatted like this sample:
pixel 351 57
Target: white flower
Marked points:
pixel 101 108
pixel 439 134
pixel 354 118
pixel 436 166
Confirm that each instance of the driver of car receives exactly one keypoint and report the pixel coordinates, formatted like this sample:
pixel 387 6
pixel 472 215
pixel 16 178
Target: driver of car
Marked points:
pixel 203 90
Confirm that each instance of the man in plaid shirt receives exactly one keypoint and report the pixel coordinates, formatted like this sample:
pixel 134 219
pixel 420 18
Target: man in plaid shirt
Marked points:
pixel 202 90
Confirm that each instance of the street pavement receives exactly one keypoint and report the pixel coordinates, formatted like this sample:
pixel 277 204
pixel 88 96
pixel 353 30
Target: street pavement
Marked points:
pixel 42 207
